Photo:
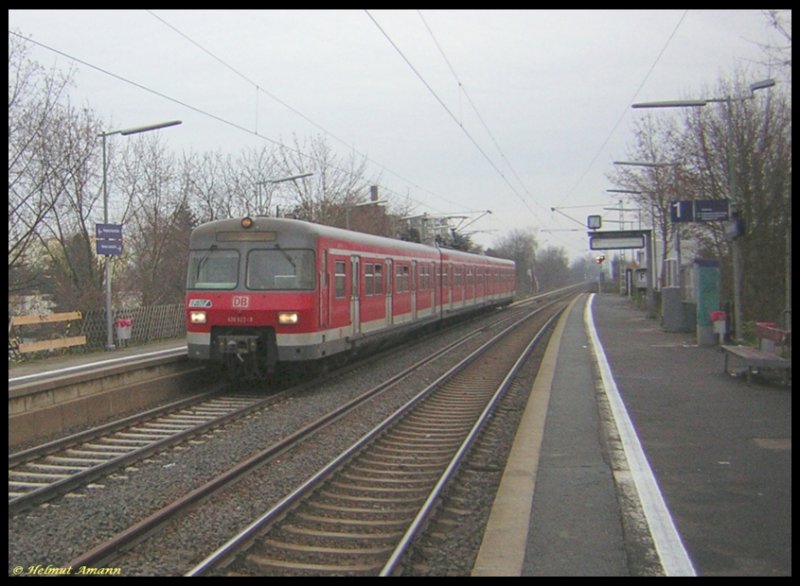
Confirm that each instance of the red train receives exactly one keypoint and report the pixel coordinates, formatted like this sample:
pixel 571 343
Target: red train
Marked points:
pixel 267 290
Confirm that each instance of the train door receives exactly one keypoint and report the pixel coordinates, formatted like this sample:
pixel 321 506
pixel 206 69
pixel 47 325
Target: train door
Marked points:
pixel 355 304
pixel 414 290
pixel 459 288
pixel 338 294
pixel 389 273
pixel 449 286
pixel 324 299
pixel 437 287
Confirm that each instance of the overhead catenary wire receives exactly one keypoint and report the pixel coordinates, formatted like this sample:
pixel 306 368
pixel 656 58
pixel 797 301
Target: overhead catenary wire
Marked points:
pixel 473 106
pixel 446 109
pixel 483 122
pixel 220 119
pixel 271 95
pixel 202 112
pixel 627 107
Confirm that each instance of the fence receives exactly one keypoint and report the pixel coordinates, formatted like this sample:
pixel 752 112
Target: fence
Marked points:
pixel 156 322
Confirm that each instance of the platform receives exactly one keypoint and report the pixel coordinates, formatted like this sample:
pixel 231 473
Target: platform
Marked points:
pixel 649 461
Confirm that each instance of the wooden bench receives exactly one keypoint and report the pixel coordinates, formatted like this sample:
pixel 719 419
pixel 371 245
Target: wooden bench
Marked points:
pixel 773 352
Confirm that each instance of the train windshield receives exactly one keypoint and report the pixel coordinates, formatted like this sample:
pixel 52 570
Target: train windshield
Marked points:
pixel 213 269
pixel 280 269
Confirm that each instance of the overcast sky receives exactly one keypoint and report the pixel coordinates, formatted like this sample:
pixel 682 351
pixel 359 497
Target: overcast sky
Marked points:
pixel 553 87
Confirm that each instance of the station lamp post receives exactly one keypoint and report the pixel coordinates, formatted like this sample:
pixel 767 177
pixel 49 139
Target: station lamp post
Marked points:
pixel 653 165
pixel 733 193
pixel 103 135
pixel 280 180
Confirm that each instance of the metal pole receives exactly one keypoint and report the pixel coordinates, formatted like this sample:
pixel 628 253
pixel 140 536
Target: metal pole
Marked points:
pixel 736 251
pixel 109 318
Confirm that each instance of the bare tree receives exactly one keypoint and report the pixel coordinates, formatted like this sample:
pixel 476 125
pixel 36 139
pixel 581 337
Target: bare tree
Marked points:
pixel 742 151
pixel 33 96
pixel 205 178
pixel 67 233
pixel 156 219
pixel 552 268
pixel 336 184
pixel 655 187
pixel 521 247
pixel 781 55
pixel 737 148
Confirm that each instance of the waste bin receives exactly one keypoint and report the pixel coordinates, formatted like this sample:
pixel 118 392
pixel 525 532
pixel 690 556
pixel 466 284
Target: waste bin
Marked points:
pixel 124 327
pixel 719 321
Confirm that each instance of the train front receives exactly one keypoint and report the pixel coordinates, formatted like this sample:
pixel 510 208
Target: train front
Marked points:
pixel 251 285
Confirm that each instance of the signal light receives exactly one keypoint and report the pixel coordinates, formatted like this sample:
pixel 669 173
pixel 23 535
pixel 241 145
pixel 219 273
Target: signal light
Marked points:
pixel 599 260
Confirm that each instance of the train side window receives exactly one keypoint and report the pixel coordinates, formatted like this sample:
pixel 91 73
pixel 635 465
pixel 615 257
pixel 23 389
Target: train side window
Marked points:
pixel 378 279
pixel 339 279
pixel 401 281
pixel 369 280
pixel 424 277
pixel 373 279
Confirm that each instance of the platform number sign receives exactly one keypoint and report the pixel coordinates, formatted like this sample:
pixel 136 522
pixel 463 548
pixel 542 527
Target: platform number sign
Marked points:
pixel 700 210
pixel 682 211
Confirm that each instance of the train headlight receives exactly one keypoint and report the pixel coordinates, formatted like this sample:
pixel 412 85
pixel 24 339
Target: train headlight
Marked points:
pixel 288 318
pixel 197 317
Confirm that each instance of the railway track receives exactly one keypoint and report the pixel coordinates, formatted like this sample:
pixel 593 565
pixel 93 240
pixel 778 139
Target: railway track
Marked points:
pixel 360 513
pixel 45 472
pixel 108 551
pixel 51 470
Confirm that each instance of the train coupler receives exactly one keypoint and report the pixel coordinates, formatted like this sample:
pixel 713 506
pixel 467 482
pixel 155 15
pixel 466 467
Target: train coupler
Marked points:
pixel 237 344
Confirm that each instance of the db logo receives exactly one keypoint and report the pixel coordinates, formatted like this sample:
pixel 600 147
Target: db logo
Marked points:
pixel 241 301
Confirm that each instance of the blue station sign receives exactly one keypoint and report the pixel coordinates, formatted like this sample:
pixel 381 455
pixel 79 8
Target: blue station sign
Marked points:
pixel 108 247
pixel 108 231
pixel 109 239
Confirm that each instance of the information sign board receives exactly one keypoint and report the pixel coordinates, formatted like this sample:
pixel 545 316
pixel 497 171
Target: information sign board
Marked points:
pixel 109 247
pixel 616 240
pixel 711 210
pixel 108 231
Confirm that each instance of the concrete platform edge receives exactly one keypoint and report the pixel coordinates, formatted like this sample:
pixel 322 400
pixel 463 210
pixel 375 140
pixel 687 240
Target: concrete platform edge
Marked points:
pixel 502 551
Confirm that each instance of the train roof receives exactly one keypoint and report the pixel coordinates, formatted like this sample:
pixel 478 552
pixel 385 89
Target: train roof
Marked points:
pixel 298 233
